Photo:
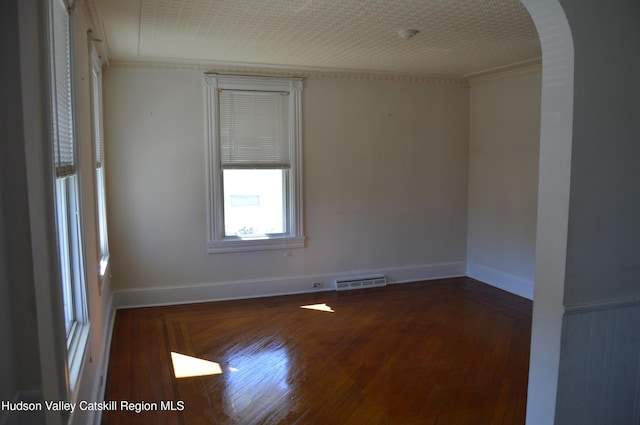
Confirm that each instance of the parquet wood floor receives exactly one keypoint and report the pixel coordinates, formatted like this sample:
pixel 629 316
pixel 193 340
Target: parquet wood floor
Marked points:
pixel 443 352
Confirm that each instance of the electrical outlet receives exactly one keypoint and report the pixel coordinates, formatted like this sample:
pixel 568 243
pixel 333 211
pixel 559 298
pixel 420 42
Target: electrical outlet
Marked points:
pixel 316 285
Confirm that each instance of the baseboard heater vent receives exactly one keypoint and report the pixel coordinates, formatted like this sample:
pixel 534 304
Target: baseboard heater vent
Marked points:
pixel 360 283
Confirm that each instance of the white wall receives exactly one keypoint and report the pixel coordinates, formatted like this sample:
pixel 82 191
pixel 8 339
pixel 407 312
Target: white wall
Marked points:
pixel 504 141
pixel 604 229
pixel 385 180
pixel 600 359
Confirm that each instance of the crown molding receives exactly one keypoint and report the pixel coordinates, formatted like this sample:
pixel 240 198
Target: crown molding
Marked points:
pixel 519 68
pixel 300 72
pixel 264 70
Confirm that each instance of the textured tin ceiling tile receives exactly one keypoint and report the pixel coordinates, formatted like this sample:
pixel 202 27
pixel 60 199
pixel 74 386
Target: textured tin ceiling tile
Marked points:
pixel 457 37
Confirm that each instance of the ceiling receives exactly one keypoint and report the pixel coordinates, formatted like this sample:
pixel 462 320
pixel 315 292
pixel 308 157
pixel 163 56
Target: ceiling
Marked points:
pixel 457 38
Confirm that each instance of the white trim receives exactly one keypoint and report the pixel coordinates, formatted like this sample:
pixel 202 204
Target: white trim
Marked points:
pixel 242 245
pixel 256 288
pixel 500 75
pixel 301 72
pixel 77 353
pixel 216 241
pixel 97 389
pixel 337 74
pixel 36 105
pixel 554 179
pixel 418 273
pixel 602 305
pixel 97 394
pixel 501 280
pixel 511 68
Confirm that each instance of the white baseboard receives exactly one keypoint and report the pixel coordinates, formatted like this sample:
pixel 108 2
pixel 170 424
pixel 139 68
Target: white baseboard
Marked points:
pixel 507 282
pixel 103 361
pixel 219 291
pixel 94 417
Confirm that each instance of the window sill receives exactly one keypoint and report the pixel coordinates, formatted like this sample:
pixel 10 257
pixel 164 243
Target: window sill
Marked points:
pixel 77 344
pixel 243 245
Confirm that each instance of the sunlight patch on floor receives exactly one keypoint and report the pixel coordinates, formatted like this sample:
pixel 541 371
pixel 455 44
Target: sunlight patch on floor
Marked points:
pixel 319 307
pixel 186 366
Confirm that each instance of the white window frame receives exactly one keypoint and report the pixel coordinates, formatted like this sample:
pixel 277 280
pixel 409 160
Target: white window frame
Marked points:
pixel 67 188
pixel 98 145
pixel 216 240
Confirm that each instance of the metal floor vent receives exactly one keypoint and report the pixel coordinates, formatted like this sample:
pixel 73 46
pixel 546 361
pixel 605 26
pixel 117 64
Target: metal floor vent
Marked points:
pixel 360 283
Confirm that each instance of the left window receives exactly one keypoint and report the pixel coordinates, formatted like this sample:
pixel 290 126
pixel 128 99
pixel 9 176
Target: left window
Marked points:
pixel 101 201
pixel 67 187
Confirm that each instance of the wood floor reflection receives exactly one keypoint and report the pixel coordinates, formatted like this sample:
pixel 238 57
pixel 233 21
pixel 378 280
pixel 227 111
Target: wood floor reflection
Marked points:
pixel 451 351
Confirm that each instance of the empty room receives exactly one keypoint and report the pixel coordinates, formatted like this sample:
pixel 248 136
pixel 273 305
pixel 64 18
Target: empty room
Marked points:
pixel 395 169
pixel 311 212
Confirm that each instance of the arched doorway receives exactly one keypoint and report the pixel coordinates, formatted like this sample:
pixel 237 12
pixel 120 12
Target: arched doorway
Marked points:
pixel 553 205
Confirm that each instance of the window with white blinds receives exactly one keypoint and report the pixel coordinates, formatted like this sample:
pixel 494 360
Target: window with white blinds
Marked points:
pixel 68 210
pixel 254 163
pixel 254 129
pixel 64 155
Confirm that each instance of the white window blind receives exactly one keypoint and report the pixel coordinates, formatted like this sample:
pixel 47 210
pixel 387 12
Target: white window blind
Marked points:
pixel 63 135
pixel 254 129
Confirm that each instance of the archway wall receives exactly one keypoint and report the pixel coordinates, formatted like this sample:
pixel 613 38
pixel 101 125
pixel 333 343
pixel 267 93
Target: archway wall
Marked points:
pixel 584 351
pixel 553 206
pixel 603 252
pixel 599 369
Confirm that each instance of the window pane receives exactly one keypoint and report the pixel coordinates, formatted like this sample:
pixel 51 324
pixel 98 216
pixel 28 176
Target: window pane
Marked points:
pixel 102 213
pixel 254 202
pixel 64 248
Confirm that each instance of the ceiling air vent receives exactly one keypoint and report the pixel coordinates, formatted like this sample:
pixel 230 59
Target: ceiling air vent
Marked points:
pixel 360 283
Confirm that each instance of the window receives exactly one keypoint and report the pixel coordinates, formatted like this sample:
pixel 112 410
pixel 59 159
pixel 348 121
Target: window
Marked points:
pixel 66 190
pixel 254 163
pixel 101 203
